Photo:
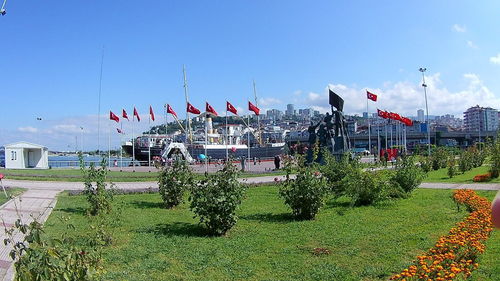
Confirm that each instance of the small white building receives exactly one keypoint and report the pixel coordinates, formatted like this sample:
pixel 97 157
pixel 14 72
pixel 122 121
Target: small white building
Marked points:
pixel 25 155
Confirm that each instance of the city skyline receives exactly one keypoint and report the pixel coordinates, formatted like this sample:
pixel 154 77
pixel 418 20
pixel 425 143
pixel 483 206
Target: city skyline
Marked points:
pixel 52 60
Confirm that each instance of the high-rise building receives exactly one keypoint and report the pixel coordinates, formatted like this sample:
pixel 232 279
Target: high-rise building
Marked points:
pixel 481 119
pixel 365 114
pixel 290 110
pixel 274 114
pixel 420 115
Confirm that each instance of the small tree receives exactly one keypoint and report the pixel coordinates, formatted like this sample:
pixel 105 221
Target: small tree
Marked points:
pixel 365 188
pixel 173 182
pixel 407 176
pixel 215 199
pixel 452 170
pixel 305 193
pixel 99 198
pixel 495 157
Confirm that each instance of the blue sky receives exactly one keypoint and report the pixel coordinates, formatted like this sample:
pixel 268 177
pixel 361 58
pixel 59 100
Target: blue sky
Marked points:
pixel 51 50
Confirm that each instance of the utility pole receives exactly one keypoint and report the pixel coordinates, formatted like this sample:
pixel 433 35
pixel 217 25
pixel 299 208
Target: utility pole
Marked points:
pixel 423 69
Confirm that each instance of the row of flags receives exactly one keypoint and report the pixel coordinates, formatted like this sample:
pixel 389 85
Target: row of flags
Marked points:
pixel 190 108
pixel 389 115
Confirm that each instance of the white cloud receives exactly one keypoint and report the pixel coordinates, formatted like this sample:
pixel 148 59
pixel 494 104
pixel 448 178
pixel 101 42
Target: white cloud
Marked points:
pixel 27 129
pixel 406 97
pixel 459 28
pixel 496 59
pixel 471 44
pixel 65 128
pixel 268 101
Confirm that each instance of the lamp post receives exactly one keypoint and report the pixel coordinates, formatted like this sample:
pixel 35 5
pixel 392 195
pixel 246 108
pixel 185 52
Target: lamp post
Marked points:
pixel 2 10
pixel 81 139
pixel 38 130
pixel 423 69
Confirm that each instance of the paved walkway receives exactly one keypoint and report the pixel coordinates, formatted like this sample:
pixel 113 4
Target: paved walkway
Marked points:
pixel 32 204
pixel 41 196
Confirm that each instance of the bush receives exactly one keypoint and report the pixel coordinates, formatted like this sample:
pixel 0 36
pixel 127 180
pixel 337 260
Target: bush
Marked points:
pixel 215 199
pixel 426 164
pixel 452 170
pixel 99 198
pixel 51 259
pixel 464 163
pixel 482 178
pixel 173 182
pixel 336 170
pixel 407 175
pixel 494 152
pixel 365 188
pixel 304 194
pixel 439 157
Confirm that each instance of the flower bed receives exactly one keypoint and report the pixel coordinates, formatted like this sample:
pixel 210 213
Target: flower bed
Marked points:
pixel 481 178
pixel 456 253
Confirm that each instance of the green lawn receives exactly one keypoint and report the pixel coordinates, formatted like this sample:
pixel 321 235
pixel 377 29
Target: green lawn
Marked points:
pixel 365 243
pixel 10 192
pixel 441 175
pixel 75 175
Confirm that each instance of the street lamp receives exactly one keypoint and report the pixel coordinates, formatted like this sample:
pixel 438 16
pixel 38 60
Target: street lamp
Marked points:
pixel 81 141
pixel 423 69
pixel 2 10
pixel 38 130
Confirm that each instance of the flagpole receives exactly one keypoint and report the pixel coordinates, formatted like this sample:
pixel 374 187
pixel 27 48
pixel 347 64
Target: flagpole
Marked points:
pixel 378 138
pixel 109 145
pixel 392 143
pixel 227 135
pixel 259 139
pixel 121 147
pixel 149 141
pixel 369 133
pixel 248 138
pixel 99 107
pixel 385 125
pixel 133 142
pixel 206 141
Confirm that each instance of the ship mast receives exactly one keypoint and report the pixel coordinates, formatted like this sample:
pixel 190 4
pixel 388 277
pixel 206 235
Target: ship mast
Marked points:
pixel 188 120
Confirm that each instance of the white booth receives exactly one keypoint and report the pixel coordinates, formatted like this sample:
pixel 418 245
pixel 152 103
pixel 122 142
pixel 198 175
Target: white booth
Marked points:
pixel 25 155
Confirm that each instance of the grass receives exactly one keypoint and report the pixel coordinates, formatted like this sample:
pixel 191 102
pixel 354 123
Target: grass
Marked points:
pixel 441 175
pixel 75 175
pixel 365 243
pixel 10 192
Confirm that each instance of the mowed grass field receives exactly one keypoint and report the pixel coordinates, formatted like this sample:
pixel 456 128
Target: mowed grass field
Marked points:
pixel 441 175
pixel 10 192
pixel 75 175
pixel 364 243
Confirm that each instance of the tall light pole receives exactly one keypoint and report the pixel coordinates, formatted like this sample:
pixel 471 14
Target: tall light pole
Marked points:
pixel 81 139
pixel 2 10
pixel 38 130
pixel 423 69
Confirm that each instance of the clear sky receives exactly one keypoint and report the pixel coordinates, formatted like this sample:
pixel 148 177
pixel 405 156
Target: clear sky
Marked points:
pixel 50 55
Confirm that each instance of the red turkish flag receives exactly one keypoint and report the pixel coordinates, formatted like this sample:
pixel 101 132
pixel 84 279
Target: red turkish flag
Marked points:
pixel 253 108
pixel 124 114
pixel 371 96
pixel 394 116
pixel 151 113
pixel 192 109
pixel 383 114
pixel 136 114
pixel 231 108
pixel 171 111
pixel 210 109
pixel 112 116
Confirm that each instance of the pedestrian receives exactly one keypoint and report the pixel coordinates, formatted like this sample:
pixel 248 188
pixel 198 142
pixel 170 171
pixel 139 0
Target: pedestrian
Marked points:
pixel 277 162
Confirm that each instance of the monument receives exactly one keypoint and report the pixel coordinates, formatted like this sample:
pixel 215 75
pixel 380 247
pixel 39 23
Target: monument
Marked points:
pixel 331 132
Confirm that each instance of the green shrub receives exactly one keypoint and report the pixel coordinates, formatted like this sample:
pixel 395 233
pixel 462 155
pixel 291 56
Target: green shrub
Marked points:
pixel 99 198
pixel 494 152
pixel 173 182
pixel 304 194
pixel 407 175
pixel 365 188
pixel 425 164
pixel 215 199
pixel 464 163
pixel 452 170
pixel 336 170
pixel 51 259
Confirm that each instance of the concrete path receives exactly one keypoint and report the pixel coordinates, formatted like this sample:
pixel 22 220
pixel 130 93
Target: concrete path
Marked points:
pixel 32 204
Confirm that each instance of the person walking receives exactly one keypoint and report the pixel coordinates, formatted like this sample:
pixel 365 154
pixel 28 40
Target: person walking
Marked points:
pixel 277 161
